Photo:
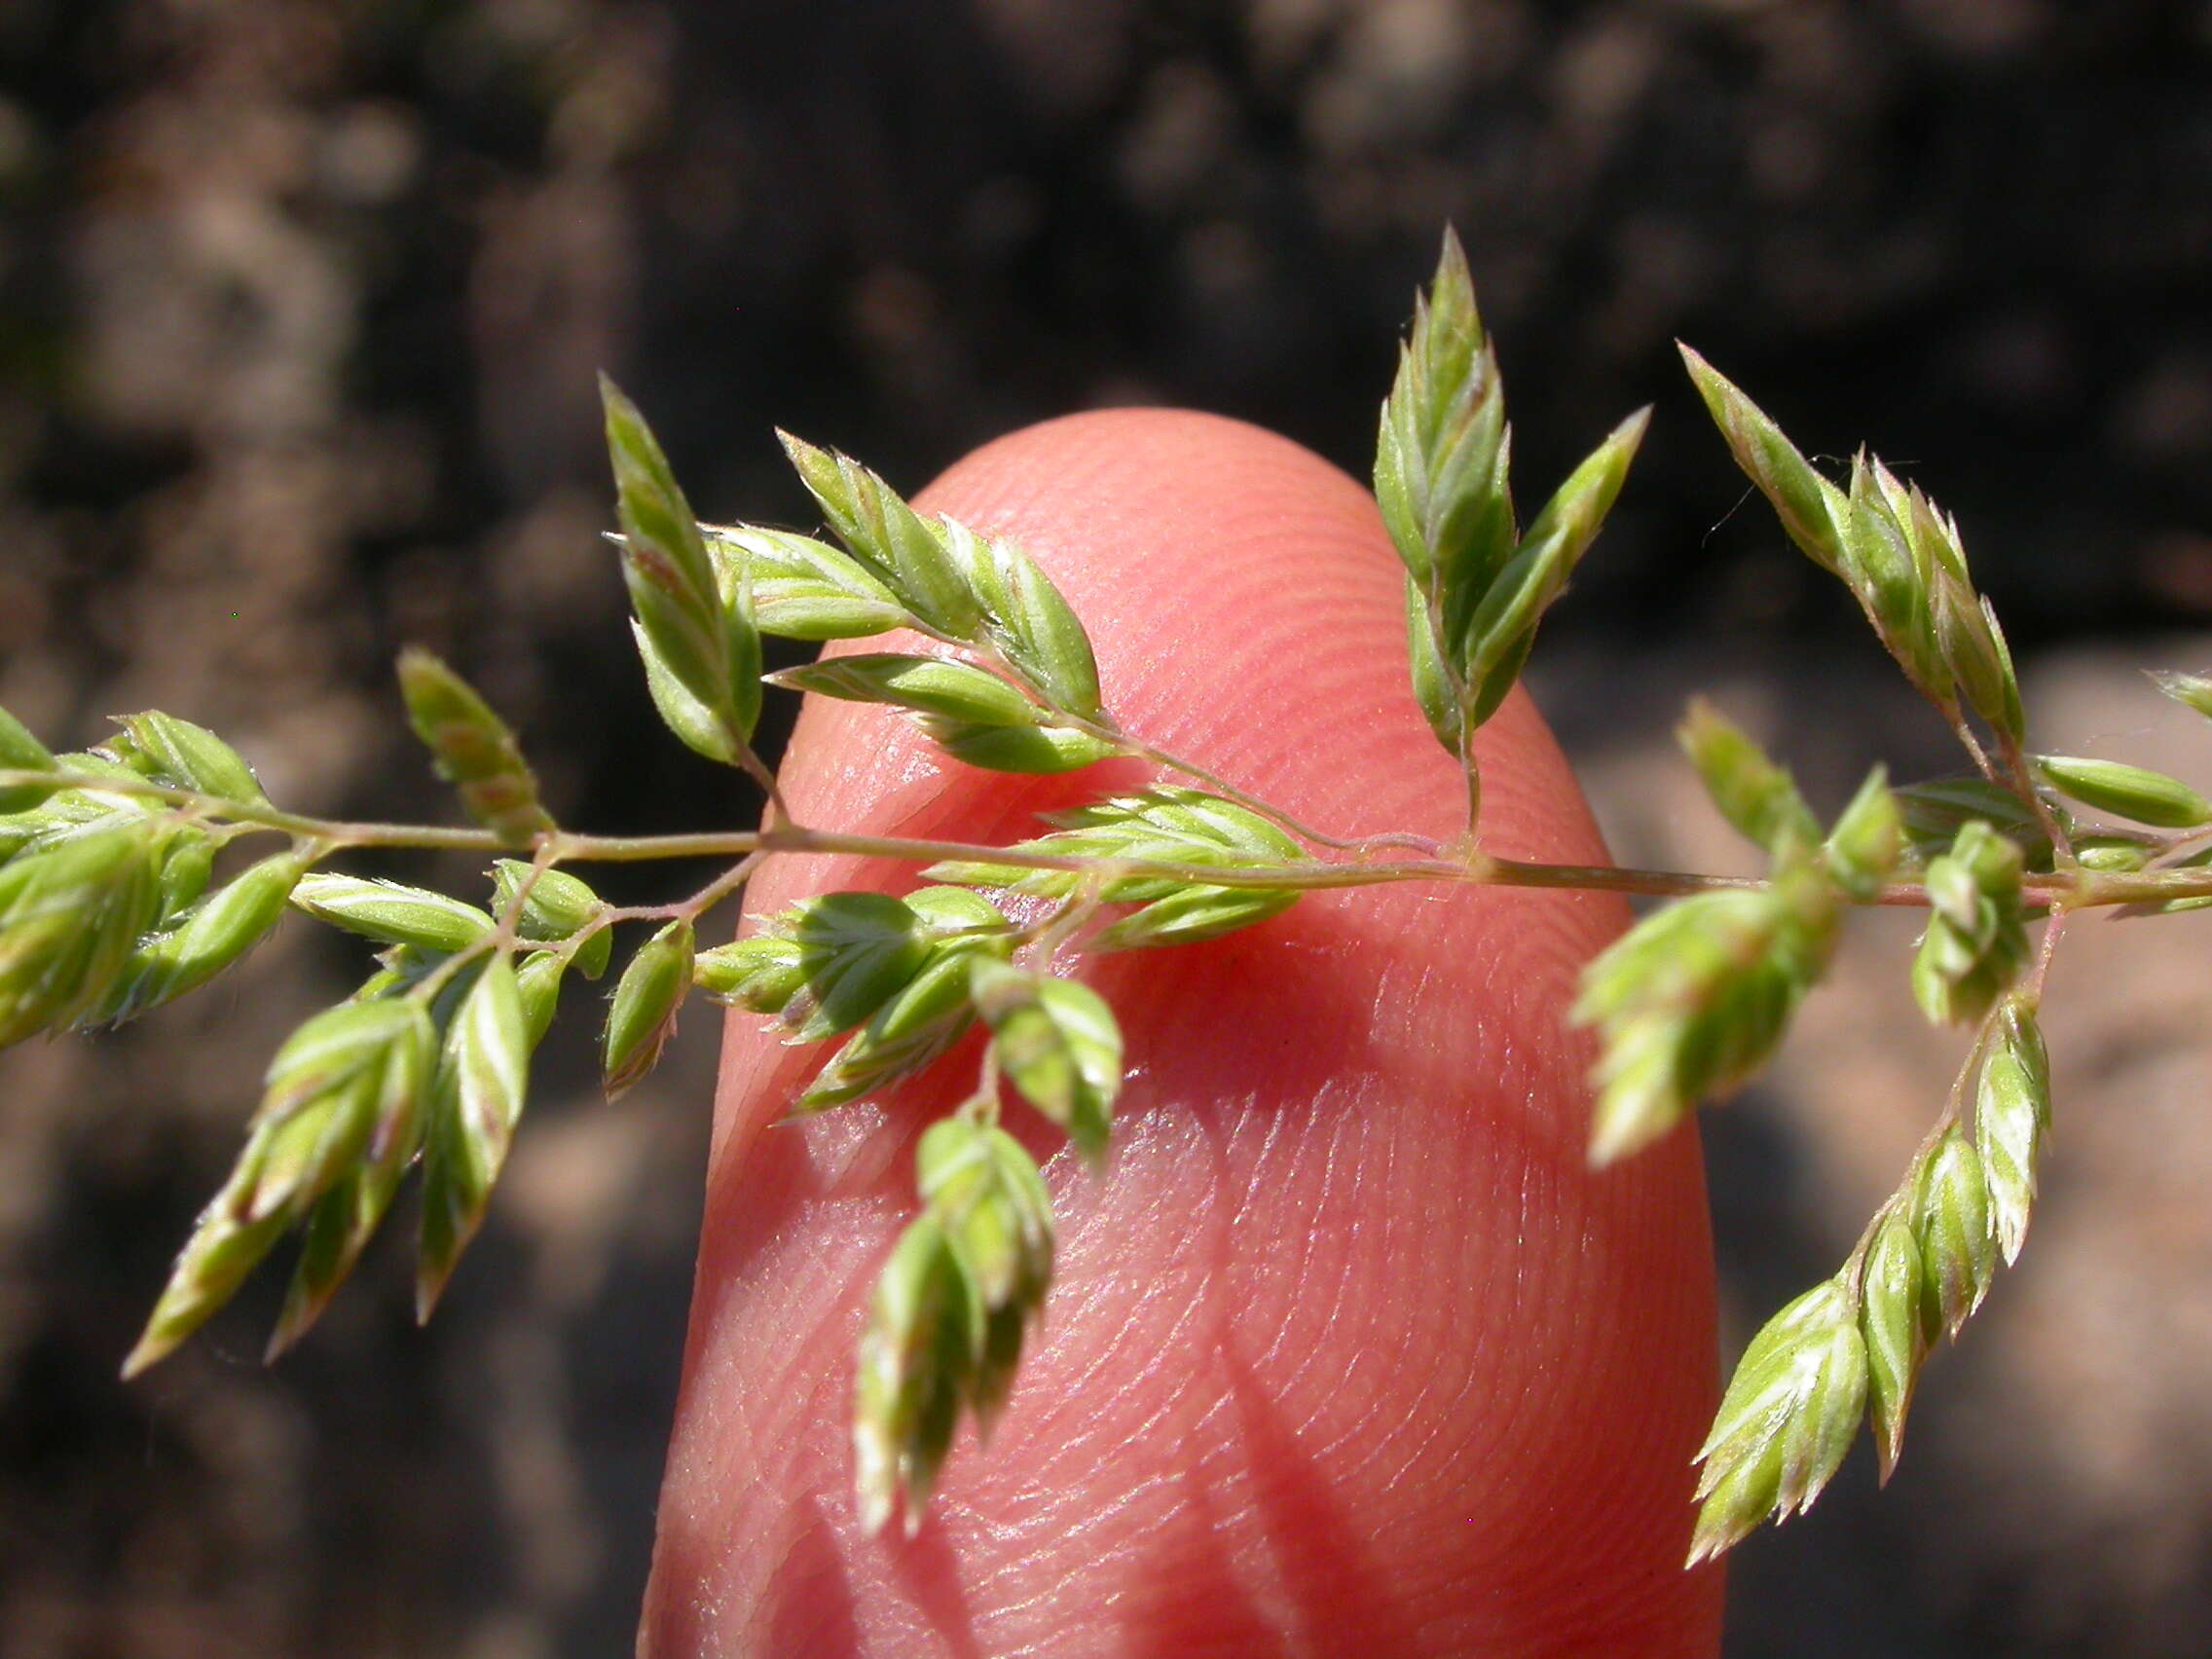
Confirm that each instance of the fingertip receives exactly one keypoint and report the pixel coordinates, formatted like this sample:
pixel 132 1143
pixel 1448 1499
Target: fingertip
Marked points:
pixel 1348 1290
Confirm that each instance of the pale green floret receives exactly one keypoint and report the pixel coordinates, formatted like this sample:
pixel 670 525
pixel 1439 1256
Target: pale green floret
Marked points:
pixel 1167 825
pixel 701 651
pixel 558 907
pixel 918 1354
pixel 1864 849
pixel 2011 1111
pixel 203 942
pixel 801 588
pixel 920 1022
pixel 647 998
pixel 1788 1417
pixel 1057 1044
pixel 390 913
pixel 2191 690
pixel 761 974
pixel 1028 622
pixel 1696 996
pixel 895 544
pixel 1024 748
pixel 1976 940
pixel 1756 797
pixel 1813 511
pixel 2126 792
pixel 483 1079
pixel 930 685
pixel 1893 1319
pixel 70 915
pixel 472 748
pixel 168 751
pixel 973 715
pixel 1951 1220
pixel 20 752
pixel 345 1085
pixel 2117 852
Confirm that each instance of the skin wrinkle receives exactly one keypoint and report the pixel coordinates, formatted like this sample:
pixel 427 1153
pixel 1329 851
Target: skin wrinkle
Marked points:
pixel 1350 1118
pixel 1645 1496
pixel 1177 1398
pixel 800 1354
pixel 1424 1452
pixel 1486 1272
pixel 1306 1346
pixel 1151 1427
pixel 1594 1605
pixel 1426 1459
pixel 1154 1360
pixel 1307 1538
pixel 1346 1118
pixel 1276 1126
pixel 1356 1449
pixel 1424 1113
pixel 1543 1370
pixel 807 1592
pixel 1331 1332
pixel 1198 1578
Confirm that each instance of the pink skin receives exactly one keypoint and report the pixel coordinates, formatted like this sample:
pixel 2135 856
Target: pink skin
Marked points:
pixel 1349 1351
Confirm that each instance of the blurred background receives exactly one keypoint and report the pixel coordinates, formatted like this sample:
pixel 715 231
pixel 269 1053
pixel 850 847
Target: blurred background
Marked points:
pixel 300 306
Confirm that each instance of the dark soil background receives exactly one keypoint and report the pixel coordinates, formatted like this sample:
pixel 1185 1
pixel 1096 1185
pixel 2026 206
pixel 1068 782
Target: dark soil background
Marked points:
pixel 300 306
